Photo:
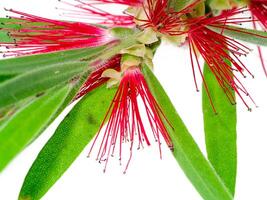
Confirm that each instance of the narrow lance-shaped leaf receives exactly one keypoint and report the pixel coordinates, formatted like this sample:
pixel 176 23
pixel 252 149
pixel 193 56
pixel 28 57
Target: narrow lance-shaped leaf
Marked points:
pixel 199 171
pixel 247 35
pixel 37 81
pixel 74 87
pixel 17 132
pixel 41 72
pixel 70 138
pixel 220 131
pixel 15 66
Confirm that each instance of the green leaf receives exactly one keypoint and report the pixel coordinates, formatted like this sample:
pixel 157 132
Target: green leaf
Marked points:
pixel 199 171
pixel 72 92
pixel 9 111
pixel 247 35
pixel 38 81
pixel 220 130
pixel 40 72
pixel 17 132
pixel 14 66
pixel 70 138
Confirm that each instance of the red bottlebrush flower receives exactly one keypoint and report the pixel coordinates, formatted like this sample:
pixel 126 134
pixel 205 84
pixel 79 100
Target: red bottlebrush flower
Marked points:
pixel 125 123
pixel 217 50
pixel 87 9
pixel 163 18
pixel 96 79
pixel 41 35
pixel 258 9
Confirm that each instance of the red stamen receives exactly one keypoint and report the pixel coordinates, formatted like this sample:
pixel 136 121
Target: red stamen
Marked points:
pixel 41 35
pixel 125 122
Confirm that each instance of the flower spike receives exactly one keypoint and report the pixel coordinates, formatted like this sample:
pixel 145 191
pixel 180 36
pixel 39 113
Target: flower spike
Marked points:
pixel 125 122
pixel 41 35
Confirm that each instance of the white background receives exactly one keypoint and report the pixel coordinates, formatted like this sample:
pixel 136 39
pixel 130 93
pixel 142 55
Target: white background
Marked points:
pixel 148 177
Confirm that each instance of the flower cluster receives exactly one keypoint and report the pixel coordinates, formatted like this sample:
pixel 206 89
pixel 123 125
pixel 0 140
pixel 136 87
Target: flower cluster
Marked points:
pixel 151 21
pixel 125 121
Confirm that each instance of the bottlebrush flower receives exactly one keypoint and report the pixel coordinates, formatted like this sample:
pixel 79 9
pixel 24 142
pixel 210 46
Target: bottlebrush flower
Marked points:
pixel 125 122
pixel 41 35
pixel 217 50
